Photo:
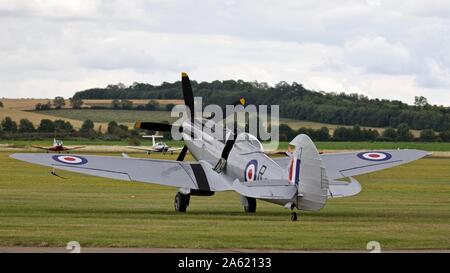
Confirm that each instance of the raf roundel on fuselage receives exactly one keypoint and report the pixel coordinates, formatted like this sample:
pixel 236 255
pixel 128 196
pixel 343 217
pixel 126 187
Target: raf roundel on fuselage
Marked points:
pixel 250 171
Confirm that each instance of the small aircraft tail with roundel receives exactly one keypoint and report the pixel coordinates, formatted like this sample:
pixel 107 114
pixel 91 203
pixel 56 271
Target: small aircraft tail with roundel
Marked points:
pixel 307 172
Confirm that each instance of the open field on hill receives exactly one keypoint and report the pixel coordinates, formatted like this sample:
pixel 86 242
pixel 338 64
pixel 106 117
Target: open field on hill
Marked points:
pixel 29 104
pixel 22 108
pixel 106 115
pixel 25 104
pixel 406 207
pixel 36 117
pixel 107 103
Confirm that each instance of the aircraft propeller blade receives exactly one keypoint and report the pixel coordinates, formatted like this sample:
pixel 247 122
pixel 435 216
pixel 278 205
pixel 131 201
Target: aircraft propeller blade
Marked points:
pixel 228 144
pixel 188 95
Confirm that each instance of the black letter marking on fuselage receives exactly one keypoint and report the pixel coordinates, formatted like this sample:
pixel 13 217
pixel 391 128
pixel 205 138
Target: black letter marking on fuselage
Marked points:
pixel 261 172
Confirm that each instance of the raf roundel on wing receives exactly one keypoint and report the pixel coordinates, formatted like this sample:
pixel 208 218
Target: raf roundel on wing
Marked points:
pixel 70 159
pixel 375 156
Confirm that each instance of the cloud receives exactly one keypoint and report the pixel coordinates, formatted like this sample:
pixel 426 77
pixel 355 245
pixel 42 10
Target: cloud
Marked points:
pixel 385 49
pixel 374 54
pixel 436 76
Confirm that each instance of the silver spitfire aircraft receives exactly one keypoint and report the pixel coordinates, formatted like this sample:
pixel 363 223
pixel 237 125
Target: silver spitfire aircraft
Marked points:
pixel 303 180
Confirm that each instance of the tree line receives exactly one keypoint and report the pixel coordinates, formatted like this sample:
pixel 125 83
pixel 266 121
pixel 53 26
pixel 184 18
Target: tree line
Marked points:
pixel 356 133
pixel 122 104
pixel 125 104
pixel 25 129
pixel 295 102
pixel 9 129
pixel 58 103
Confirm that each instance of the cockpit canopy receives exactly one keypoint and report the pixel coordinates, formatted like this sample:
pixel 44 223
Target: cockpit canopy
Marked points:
pixel 244 140
pixel 250 141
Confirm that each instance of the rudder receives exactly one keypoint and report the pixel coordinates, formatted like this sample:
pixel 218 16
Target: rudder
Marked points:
pixel 307 172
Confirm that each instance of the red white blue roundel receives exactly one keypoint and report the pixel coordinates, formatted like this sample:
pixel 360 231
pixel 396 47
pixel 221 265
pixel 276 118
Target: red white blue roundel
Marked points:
pixel 70 159
pixel 375 156
pixel 250 171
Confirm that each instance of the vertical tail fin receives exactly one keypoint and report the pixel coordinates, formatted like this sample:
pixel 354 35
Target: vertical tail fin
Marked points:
pixel 307 172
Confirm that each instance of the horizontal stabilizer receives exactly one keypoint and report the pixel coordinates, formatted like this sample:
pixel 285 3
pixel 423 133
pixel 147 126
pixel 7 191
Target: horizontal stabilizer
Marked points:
pixel 266 189
pixel 343 189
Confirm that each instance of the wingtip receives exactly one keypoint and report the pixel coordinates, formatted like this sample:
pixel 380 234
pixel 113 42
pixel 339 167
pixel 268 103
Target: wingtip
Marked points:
pixel 17 156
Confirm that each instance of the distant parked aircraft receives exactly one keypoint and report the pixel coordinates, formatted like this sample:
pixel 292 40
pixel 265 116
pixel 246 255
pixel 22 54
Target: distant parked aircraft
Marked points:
pixel 57 147
pixel 159 147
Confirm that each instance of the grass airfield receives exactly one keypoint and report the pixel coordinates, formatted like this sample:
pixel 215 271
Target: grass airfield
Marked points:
pixel 407 207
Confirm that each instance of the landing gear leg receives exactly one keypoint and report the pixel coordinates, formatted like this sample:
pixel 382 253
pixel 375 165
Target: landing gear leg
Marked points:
pixel 181 202
pixel 249 204
pixel 293 214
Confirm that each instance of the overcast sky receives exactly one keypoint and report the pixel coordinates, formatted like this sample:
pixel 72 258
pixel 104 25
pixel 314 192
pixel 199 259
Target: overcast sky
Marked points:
pixel 385 49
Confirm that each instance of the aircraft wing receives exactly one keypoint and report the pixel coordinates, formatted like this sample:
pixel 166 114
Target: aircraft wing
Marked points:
pixel 74 148
pixel 347 164
pixel 174 149
pixel 147 149
pixel 41 147
pixel 189 175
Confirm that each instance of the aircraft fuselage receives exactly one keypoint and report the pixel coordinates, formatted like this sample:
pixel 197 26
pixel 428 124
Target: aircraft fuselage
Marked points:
pixel 246 162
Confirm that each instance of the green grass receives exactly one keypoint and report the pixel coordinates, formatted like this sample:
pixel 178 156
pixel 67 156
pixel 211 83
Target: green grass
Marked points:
pixel 107 115
pixel 407 207
pixel 69 142
pixel 321 145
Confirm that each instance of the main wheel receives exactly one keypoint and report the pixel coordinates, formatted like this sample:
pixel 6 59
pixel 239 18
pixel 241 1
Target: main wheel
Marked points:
pixel 251 205
pixel 181 202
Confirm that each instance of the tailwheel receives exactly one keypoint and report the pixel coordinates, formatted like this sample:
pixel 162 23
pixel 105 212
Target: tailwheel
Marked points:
pixel 293 216
pixel 181 202
pixel 250 207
